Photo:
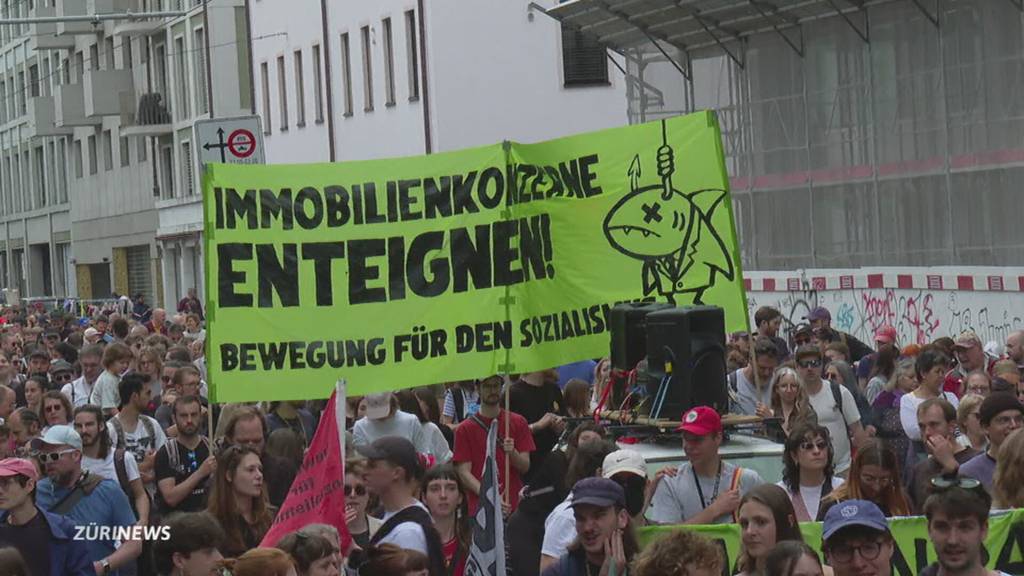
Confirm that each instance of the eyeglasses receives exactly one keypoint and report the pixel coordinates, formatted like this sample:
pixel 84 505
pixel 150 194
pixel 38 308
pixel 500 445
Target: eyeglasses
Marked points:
pixel 45 457
pixel 808 446
pixel 1004 420
pixel 868 551
pixel 947 482
pixel 809 363
pixel 359 489
pixel 53 408
pixel 879 480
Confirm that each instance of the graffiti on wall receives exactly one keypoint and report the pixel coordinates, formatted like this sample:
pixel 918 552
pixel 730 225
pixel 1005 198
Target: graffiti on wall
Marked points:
pixel 919 316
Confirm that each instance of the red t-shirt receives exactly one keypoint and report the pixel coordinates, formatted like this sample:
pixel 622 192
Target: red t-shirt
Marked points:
pixel 471 446
pixel 450 548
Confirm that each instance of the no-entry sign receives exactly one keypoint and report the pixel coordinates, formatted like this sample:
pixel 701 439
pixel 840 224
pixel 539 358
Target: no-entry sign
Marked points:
pixel 236 140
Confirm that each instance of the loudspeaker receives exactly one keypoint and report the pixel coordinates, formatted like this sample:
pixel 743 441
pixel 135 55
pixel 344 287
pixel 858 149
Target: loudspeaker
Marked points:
pixel 629 334
pixel 693 339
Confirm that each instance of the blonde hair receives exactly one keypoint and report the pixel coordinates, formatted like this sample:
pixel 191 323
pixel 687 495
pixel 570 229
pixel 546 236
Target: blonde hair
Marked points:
pixel 1009 476
pixel 904 367
pixel 968 404
pixel 801 407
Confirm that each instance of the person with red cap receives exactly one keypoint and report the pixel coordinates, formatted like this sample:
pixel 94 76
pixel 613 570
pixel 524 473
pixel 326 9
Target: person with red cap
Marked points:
pixel 45 540
pixel 885 336
pixel 970 356
pixel 706 489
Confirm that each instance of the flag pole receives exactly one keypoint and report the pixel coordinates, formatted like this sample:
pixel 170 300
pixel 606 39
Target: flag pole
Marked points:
pixel 340 404
pixel 508 457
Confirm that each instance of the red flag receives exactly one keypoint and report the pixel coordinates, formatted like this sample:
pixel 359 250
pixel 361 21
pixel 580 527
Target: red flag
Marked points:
pixel 317 495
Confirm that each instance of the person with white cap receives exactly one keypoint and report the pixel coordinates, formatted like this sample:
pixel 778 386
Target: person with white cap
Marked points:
pixel 85 498
pixel 91 335
pixel 383 418
pixel 45 540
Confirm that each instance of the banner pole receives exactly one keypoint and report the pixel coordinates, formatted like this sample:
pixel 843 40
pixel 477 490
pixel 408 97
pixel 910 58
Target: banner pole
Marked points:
pixel 340 390
pixel 507 213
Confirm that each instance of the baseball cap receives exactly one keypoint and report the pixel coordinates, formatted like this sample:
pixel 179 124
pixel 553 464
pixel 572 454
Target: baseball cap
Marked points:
pixel 60 366
pixel 91 332
pixel 819 313
pixel 15 466
pixel 60 435
pixel 39 353
pixel 967 339
pixel 378 406
pixel 995 403
pixel 702 420
pixel 853 513
pixel 624 461
pixel 885 334
pixel 598 492
pixel 396 450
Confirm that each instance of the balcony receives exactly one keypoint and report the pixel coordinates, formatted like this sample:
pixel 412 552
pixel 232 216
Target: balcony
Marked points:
pixel 69 107
pixel 102 91
pixel 44 36
pixel 145 114
pixel 74 8
pixel 41 116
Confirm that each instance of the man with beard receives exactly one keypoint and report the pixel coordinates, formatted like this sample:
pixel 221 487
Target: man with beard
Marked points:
pixel 958 525
pixel 85 498
pixel 100 458
pixel 471 446
pixel 133 431
pixel 605 541
pixel 91 361
pixel 184 465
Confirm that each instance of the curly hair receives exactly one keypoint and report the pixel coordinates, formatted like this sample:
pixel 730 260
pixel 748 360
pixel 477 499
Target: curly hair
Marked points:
pixel 800 433
pixel 1009 476
pixel 893 500
pixel 676 553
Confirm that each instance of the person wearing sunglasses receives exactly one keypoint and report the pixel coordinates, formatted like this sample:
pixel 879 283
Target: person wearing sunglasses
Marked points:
pixel 856 540
pixel 1000 414
pixel 957 513
pixel 808 469
pixel 361 525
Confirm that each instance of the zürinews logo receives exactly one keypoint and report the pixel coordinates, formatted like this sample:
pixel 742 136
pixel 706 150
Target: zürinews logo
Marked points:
pixel 94 533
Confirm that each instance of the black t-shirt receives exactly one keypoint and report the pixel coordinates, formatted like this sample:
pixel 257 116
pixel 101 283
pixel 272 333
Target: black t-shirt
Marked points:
pixel 32 540
pixel 533 402
pixel 188 462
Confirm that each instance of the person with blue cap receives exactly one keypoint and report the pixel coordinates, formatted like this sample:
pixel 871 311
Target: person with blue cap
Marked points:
pixel 605 542
pixel 856 540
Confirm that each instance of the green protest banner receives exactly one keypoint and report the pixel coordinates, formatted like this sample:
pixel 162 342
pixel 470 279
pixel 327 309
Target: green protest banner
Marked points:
pixel 500 259
pixel 1004 546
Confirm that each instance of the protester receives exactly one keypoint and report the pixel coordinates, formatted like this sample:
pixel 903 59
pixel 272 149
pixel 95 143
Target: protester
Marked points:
pixel 133 431
pixel 577 398
pixel 101 458
pixel 361 526
pixel 435 440
pixel 184 465
pixel 47 539
pixel 56 409
pixel 260 562
pixel 313 555
pixel 679 553
pixel 766 517
pixel 245 426
pixel 101 502
pixel 391 560
pixel 1000 414
pixel 931 365
pixel 461 401
pixel 886 408
pixel 834 406
pixel 937 421
pixel 794 558
pixel 537 398
pixel 768 320
pixel 692 496
pixel 471 446
pixel 882 371
pixel 8 401
pixel 957 526
pixel 605 540
pixel 445 498
pixel 750 389
pixel 875 476
pixel 856 540
pixel 602 376
pixel 383 418
pixel 628 469
pixel 393 474
pixel 35 387
pixel 1008 480
pixel 789 403
pixel 968 421
pixel 808 474
pixel 192 548
pixel 294 416
pixel 191 304
pixel 158 322
pixel 820 320
pixel 116 359
pixel 238 500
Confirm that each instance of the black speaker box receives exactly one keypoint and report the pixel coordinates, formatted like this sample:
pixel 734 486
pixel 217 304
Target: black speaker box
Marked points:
pixel 693 339
pixel 629 334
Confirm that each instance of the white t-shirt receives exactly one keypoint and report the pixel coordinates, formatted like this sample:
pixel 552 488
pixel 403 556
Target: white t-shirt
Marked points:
pixel 407 534
pixel 403 424
pixel 104 391
pixel 824 405
pixel 138 441
pixel 438 445
pixel 77 392
pixel 811 495
pixel 908 412
pixel 559 529
pixel 106 468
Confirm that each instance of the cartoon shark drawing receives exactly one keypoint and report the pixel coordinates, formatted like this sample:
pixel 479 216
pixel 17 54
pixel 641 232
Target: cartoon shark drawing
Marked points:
pixel 671 232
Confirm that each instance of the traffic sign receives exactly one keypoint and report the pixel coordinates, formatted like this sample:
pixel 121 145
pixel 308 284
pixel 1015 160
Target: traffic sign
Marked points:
pixel 236 140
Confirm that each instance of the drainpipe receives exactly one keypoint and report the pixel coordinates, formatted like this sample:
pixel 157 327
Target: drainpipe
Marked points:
pixel 327 80
pixel 425 85
pixel 252 62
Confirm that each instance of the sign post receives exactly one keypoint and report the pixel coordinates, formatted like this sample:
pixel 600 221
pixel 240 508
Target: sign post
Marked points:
pixel 237 140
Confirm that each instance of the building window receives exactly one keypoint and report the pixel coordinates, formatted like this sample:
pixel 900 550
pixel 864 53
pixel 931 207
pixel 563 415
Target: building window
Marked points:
pixel 367 70
pixel 77 151
pixel 318 85
pixel 108 150
pixel 199 69
pixel 93 160
pixel 282 94
pixel 389 64
pixel 33 81
pixel 265 84
pixel 584 59
pixel 61 165
pixel 8 186
pixel 300 92
pixel 94 57
pixel 108 48
pixel 412 55
pixel 22 101
pixel 346 74
pixel 126 53
pixel 44 85
pixel 181 76
pixel 79 66
pixel 167 172
pixel 142 151
pixel 125 151
pixel 26 180
pixel 187 180
pixel 40 177
pixel 60 268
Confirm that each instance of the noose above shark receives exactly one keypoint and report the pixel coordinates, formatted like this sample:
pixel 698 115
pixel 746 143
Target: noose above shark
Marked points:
pixel 671 232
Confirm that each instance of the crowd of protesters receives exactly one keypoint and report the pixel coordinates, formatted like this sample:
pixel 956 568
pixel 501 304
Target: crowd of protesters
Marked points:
pixel 106 424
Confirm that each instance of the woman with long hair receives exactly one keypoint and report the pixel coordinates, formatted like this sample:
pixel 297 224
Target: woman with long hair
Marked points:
pixel 445 498
pixel 260 562
pixel 35 387
pixel 1009 476
pixel 766 517
pixel 808 474
pixel 874 476
pixel 882 371
pixel 431 409
pixel 577 398
pixel 794 558
pixel 789 400
pixel 886 409
pixel 390 560
pixel 361 525
pixel 968 420
pixel 150 363
pixel 439 447
pixel 314 555
pixel 56 409
pixel 12 563
pixel 239 499
pixel 602 376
